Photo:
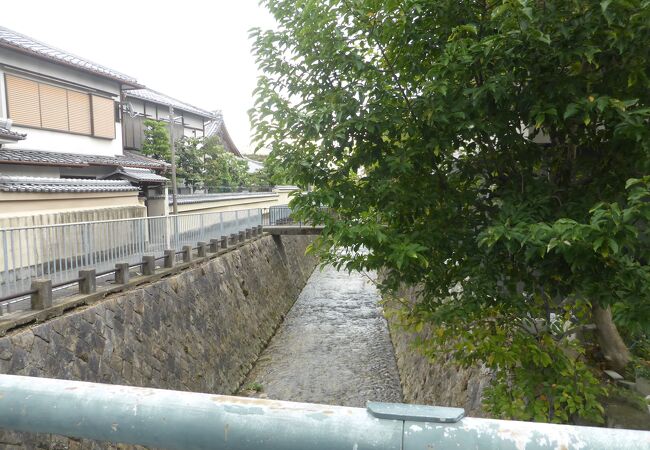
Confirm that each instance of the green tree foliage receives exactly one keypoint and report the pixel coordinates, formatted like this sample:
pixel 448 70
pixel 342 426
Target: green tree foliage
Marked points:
pixel 156 140
pixel 222 168
pixel 200 162
pixel 190 161
pixel 272 174
pixel 418 121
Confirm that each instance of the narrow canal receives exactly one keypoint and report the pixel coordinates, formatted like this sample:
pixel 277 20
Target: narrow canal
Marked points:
pixel 333 347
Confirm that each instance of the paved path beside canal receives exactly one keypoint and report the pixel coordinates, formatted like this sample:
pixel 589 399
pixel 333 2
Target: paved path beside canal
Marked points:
pixel 333 347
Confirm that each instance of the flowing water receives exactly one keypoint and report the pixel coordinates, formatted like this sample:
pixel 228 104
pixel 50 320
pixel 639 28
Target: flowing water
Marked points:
pixel 333 347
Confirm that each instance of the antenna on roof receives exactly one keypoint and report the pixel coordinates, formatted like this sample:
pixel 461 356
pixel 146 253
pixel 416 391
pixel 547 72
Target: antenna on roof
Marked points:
pixel 128 108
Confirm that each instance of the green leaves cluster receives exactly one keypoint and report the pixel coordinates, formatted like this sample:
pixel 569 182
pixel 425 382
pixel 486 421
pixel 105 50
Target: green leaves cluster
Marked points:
pixel 480 150
pixel 222 168
pixel 201 162
pixel 156 140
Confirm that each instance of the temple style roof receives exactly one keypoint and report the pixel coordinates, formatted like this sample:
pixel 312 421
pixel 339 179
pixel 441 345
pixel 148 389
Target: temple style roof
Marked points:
pixel 37 157
pixel 62 185
pixel 217 127
pixel 25 44
pixel 158 97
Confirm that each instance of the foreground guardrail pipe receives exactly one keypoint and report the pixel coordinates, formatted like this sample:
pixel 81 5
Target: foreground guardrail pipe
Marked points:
pixel 185 420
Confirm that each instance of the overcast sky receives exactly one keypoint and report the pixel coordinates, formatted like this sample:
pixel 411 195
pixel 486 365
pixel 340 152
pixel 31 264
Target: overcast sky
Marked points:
pixel 196 51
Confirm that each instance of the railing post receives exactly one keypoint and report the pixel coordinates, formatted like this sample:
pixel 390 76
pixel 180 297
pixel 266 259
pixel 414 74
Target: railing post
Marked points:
pixel 242 236
pixel 233 239
pixel 88 281
pixel 170 258
pixel 203 249
pixel 254 232
pixel 187 253
pixel 214 245
pixel 249 234
pixel 122 273
pixel 224 241
pixel 42 298
pixel 148 265
pixel 260 230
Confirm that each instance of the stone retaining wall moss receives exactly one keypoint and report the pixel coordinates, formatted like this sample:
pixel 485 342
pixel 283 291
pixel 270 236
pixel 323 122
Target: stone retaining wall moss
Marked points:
pixel 437 382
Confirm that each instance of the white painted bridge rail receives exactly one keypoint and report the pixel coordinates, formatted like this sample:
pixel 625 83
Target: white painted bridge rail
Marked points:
pixel 186 420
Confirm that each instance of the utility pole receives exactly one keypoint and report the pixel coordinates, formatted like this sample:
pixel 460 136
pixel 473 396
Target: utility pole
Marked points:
pixel 171 138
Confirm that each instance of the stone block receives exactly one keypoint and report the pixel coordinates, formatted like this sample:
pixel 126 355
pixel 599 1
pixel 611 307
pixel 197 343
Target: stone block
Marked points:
pixel 187 253
pixel 122 274
pixel 170 258
pixel 88 281
pixel 42 297
pixel 148 265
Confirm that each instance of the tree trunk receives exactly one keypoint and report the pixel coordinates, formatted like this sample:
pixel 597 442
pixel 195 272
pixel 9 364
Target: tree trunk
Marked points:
pixel 614 349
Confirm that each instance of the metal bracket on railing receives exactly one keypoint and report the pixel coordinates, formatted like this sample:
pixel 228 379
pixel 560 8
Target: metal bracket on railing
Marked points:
pixel 415 413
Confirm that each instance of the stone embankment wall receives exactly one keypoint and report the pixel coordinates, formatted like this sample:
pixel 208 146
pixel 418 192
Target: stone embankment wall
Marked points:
pixel 200 330
pixel 437 382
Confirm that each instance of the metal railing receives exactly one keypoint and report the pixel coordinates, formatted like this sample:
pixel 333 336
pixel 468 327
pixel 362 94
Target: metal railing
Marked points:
pixel 279 215
pixel 187 420
pixel 283 215
pixel 59 252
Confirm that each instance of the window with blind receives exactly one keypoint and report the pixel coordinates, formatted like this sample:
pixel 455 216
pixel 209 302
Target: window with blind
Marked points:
pixel 103 117
pixel 40 105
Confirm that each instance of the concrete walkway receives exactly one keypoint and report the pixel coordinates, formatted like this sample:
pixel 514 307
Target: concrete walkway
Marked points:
pixel 333 347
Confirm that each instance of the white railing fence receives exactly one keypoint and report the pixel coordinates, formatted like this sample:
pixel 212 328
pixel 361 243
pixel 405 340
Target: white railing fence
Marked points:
pixel 58 252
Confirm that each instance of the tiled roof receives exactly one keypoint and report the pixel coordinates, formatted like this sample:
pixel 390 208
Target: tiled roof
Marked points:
pixel 133 158
pixel 214 126
pixel 62 185
pixel 162 99
pixel 12 135
pixel 25 44
pixel 138 175
pixel 217 127
pixel 37 157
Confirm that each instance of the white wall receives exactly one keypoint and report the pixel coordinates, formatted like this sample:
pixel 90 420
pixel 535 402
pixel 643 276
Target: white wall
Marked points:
pixel 18 170
pixel 192 120
pixel 55 141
